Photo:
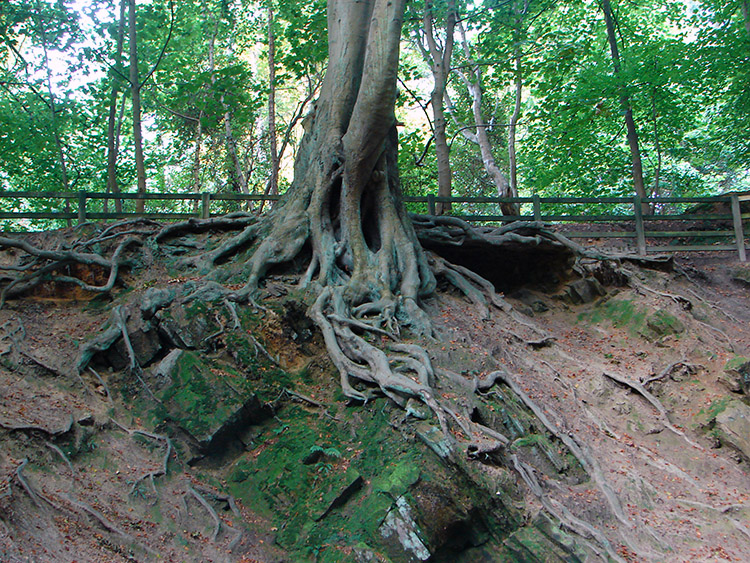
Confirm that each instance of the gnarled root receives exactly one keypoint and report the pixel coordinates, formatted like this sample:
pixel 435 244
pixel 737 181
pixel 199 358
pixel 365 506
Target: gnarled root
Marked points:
pixel 48 262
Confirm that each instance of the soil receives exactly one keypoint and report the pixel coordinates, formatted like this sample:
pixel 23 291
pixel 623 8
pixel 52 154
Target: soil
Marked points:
pixel 78 484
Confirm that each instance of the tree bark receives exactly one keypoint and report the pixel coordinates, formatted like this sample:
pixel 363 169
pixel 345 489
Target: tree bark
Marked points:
pixel 746 15
pixel 632 131
pixel 52 102
pixel 112 130
pixel 346 198
pixel 135 95
pixel 513 124
pixel 439 60
pixel 472 79
pixel 273 180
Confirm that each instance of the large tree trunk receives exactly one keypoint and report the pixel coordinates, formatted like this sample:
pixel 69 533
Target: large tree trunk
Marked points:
pixel 346 198
pixel 632 131
pixel 112 129
pixel 135 94
pixel 439 60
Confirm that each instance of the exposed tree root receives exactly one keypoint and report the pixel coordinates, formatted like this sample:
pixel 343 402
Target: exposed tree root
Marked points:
pixel 656 403
pixel 204 503
pixel 107 525
pixel 60 259
pixel 35 428
pixel 588 462
pixel 59 452
pixel 562 514
pixel 151 475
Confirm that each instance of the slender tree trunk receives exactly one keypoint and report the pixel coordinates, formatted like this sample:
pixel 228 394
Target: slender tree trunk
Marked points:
pixel 512 162
pixel 112 129
pixel 135 94
pixel 632 131
pixel 746 15
pixel 472 79
pixel 197 187
pixel 657 147
pixel 61 161
pixel 439 60
pixel 273 180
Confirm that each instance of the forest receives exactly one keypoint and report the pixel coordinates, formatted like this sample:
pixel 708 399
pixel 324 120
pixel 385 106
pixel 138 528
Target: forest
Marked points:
pixel 337 376
pixel 495 97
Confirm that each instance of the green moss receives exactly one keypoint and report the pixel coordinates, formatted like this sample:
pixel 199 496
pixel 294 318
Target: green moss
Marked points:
pixel 622 313
pixel 716 407
pixel 736 363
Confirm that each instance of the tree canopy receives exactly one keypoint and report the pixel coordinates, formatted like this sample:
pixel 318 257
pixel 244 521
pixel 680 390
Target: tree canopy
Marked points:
pixel 526 97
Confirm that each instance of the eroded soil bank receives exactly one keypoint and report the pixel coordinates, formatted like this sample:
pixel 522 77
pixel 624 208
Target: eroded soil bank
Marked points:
pixel 622 406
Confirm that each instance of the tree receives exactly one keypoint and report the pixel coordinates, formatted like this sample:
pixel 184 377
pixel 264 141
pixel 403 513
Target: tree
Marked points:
pixel 438 55
pixel 345 201
pixel 632 131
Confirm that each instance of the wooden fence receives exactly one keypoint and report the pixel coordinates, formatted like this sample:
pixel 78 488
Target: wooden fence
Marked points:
pixel 687 224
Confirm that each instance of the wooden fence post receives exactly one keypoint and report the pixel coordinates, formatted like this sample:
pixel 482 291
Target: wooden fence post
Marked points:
pixel 640 231
pixel 431 204
pixel 205 205
pixel 536 202
pixel 81 207
pixel 739 232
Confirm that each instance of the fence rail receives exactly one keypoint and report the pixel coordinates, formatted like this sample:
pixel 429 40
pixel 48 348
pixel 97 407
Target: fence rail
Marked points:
pixel 706 227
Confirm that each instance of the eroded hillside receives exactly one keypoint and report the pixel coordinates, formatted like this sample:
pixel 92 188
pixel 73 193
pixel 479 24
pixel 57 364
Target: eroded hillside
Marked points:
pixel 597 417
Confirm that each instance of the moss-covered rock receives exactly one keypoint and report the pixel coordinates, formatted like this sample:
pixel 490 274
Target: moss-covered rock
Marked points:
pixel 736 375
pixel 207 402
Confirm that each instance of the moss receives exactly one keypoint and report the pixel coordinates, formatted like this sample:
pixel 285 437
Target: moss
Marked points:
pixel 622 313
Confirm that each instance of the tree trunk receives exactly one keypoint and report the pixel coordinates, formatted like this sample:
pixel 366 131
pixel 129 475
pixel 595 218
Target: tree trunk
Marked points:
pixel 657 147
pixel 112 145
pixel 746 15
pixel 440 61
pixel 512 162
pixel 61 161
pixel 197 187
pixel 346 198
pixel 135 94
pixel 473 82
pixel 273 180
pixel 632 131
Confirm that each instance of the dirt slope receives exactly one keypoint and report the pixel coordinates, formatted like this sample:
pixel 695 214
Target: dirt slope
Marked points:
pixel 641 378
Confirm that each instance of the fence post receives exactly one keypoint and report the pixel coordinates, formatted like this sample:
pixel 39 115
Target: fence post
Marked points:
pixel 205 205
pixel 536 202
pixel 640 232
pixel 81 207
pixel 431 204
pixel 739 232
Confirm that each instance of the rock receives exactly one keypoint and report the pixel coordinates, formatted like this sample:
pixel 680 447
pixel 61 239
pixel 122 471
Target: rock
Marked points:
pixel 399 524
pixel 584 290
pixel 434 438
pixel 736 375
pixel 340 491
pixel 543 541
pixel 660 325
pixel 741 275
pixel 733 426
pixel 155 299
pixel 145 342
pixel 185 327
pixel 418 409
pixel 86 420
pixel 162 374
pixel 211 405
